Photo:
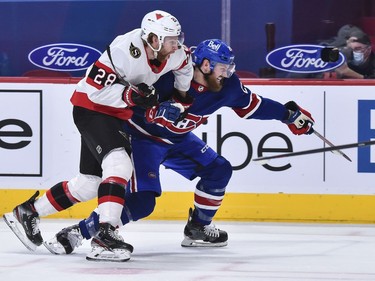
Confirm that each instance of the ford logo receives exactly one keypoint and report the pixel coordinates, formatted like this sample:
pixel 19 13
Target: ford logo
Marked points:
pixel 302 59
pixel 64 56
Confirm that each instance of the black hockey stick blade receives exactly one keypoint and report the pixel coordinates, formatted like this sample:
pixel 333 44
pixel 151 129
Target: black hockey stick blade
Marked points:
pixel 318 150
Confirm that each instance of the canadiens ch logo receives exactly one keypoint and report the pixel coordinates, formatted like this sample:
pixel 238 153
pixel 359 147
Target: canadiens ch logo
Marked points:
pixel 134 51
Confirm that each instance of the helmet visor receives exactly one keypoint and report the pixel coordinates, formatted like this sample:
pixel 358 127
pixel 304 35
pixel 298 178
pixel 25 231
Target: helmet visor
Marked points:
pixel 174 40
pixel 226 70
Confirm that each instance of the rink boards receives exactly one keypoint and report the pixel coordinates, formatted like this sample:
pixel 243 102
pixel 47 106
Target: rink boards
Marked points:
pixel 39 146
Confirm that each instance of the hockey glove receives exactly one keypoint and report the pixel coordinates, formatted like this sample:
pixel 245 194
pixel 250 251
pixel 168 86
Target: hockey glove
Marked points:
pixel 184 100
pixel 299 121
pixel 140 95
pixel 166 113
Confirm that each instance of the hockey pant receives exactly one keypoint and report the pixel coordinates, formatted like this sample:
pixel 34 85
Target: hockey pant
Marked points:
pixel 191 158
pixel 105 168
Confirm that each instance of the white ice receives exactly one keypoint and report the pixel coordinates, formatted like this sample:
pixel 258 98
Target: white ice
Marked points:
pixel 256 251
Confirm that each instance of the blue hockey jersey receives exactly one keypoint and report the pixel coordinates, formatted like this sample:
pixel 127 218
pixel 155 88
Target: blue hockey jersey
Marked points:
pixel 233 95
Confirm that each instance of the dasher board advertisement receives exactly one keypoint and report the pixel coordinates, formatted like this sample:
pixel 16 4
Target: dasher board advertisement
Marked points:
pixel 343 114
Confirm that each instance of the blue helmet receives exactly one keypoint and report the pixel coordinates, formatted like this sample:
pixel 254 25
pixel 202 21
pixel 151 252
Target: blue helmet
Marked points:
pixel 216 51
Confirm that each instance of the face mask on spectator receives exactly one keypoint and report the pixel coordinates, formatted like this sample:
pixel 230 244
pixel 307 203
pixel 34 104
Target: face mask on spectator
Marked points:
pixel 358 57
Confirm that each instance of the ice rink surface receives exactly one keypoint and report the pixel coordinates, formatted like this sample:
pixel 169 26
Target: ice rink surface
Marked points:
pixel 256 251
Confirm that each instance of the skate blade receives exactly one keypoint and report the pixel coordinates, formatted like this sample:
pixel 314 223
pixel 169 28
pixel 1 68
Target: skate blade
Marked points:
pixel 101 254
pixel 187 242
pixel 54 247
pixel 12 222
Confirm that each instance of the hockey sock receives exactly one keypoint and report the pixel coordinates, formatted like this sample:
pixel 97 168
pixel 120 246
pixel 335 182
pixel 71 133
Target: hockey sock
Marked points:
pixel 57 198
pixel 138 205
pixel 210 189
pixel 206 203
pixel 111 199
pixel 90 226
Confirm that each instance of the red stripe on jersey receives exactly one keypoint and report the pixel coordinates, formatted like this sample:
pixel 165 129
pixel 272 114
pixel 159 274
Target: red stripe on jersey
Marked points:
pixel 248 111
pixel 82 100
pixel 154 68
pixel 207 201
pixel 105 67
pixel 133 185
pixel 190 122
pixel 117 180
pixel 111 199
pixel 92 83
pixel 198 87
pixel 145 133
pixel 100 71
pixel 53 202
pixel 186 61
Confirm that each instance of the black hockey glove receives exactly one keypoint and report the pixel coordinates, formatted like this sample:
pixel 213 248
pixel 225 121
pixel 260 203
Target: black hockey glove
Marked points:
pixel 140 95
pixel 299 120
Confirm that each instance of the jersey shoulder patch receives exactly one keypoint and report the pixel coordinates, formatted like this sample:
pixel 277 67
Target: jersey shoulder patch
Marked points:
pixel 135 52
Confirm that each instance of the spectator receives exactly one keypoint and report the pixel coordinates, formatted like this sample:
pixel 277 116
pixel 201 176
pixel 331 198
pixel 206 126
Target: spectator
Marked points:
pixel 342 36
pixel 360 59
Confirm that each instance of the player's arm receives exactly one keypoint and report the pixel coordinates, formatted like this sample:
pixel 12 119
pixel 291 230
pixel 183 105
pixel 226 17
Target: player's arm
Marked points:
pixel 184 73
pixel 140 95
pixel 299 120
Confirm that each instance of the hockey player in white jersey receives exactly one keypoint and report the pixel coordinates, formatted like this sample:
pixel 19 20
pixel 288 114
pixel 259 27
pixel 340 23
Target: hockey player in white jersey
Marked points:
pixel 176 147
pixel 121 78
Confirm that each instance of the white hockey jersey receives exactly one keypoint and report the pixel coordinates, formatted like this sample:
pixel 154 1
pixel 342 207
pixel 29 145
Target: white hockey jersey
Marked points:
pixel 99 90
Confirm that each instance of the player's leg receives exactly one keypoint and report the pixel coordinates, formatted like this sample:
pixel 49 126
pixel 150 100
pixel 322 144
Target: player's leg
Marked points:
pixel 59 197
pixel 139 197
pixel 137 205
pixel 208 196
pixel 110 146
pixel 145 184
pixel 192 159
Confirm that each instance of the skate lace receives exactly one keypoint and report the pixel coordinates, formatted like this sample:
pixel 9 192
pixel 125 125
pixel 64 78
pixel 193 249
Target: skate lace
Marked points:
pixel 211 230
pixel 116 235
pixel 34 225
pixel 75 238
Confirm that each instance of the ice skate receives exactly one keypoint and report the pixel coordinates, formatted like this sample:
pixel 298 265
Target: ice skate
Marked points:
pixel 26 215
pixel 197 235
pixel 65 241
pixel 108 245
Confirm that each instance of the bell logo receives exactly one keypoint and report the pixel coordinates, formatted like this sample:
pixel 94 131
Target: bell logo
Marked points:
pixel 214 46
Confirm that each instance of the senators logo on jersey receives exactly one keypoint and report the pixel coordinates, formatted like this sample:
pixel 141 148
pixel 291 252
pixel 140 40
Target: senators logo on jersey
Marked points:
pixel 135 52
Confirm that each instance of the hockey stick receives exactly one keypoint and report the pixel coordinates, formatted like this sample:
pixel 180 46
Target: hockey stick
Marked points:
pixel 119 77
pixel 318 150
pixel 332 145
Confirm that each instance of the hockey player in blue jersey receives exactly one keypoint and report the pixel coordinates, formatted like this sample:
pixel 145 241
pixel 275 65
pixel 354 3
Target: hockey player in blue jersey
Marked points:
pixel 163 133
